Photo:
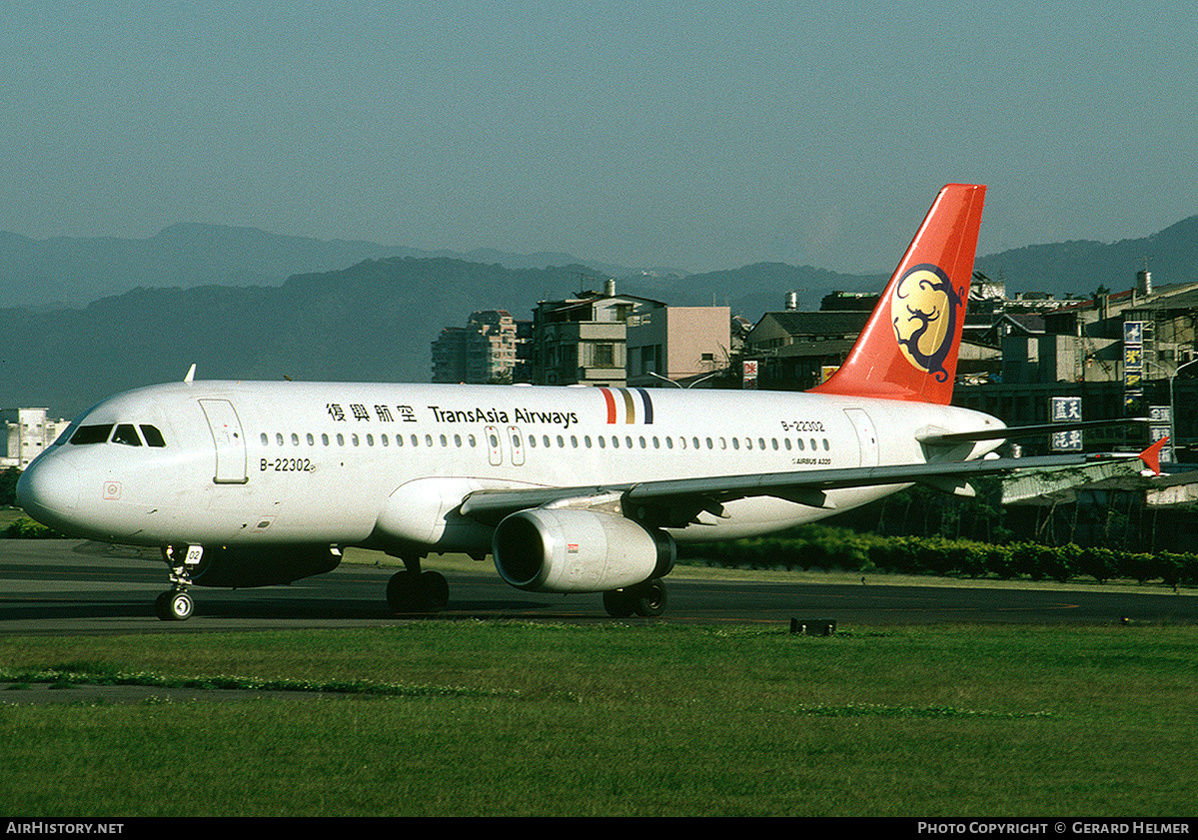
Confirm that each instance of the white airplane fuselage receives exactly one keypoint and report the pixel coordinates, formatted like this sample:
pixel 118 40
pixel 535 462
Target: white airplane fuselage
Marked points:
pixel 571 489
pixel 387 465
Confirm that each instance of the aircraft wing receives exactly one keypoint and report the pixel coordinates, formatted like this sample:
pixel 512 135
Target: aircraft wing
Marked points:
pixel 675 502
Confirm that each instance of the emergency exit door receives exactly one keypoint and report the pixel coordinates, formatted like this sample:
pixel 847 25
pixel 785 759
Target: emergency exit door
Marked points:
pixel 867 436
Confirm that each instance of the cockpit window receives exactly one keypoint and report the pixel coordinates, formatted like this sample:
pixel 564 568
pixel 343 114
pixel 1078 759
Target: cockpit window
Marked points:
pixel 126 434
pixel 153 436
pixel 92 434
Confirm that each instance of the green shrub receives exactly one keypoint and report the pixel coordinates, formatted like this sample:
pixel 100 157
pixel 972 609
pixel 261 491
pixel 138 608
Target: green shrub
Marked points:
pixel 1100 563
pixel 26 529
pixel 828 547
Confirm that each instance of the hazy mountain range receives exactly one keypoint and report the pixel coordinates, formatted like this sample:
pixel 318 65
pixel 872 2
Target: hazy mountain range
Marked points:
pixel 85 318
pixel 75 270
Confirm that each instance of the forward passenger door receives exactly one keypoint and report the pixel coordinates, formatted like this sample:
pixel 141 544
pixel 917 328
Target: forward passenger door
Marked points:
pixel 229 440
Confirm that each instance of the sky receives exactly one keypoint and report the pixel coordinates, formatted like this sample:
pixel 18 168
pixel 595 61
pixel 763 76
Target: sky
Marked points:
pixel 698 136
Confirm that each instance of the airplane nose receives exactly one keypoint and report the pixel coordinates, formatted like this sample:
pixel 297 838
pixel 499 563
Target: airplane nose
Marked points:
pixel 48 490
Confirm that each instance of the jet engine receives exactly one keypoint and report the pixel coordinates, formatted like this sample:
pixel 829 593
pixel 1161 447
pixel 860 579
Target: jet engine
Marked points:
pixel 263 565
pixel 571 550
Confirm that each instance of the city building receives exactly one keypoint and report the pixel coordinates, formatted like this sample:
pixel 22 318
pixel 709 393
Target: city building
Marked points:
pixel 794 350
pixel 28 431
pixel 583 340
pixel 449 355
pixel 491 348
pixel 682 344
pixel 1115 355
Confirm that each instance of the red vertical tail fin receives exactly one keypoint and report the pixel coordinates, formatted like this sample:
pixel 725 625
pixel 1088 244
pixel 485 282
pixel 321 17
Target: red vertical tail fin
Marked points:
pixel 908 349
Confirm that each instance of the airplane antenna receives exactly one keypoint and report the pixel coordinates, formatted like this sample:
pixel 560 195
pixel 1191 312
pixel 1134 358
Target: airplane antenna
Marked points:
pixel 191 374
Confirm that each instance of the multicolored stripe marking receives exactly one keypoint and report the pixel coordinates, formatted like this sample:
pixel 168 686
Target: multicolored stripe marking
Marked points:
pixel 626 405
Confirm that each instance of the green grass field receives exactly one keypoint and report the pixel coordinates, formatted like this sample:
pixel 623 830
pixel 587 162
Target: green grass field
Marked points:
pixel 497 718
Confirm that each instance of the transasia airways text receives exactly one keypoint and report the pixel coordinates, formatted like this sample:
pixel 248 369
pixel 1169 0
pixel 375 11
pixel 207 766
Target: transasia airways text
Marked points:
pixel 478 414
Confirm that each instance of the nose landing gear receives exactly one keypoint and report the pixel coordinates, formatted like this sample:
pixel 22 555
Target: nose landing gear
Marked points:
pixel 176 604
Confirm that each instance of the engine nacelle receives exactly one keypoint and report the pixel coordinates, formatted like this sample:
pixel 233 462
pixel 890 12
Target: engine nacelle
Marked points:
pixel 263 565
pixel 569 550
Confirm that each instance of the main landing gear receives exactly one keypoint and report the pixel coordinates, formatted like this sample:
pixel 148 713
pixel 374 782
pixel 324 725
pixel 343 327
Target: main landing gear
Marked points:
pixel 646 599
pixel 176 604
pixel 415 591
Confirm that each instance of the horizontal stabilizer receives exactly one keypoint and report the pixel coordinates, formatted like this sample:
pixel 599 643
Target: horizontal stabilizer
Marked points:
pixel 1008 432
pixel 1152 455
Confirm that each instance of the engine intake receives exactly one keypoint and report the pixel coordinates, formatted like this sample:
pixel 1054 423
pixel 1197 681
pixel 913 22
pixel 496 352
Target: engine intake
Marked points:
pixel 569 550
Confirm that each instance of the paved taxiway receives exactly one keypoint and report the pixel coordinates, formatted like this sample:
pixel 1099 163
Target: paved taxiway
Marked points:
pixel 67 587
